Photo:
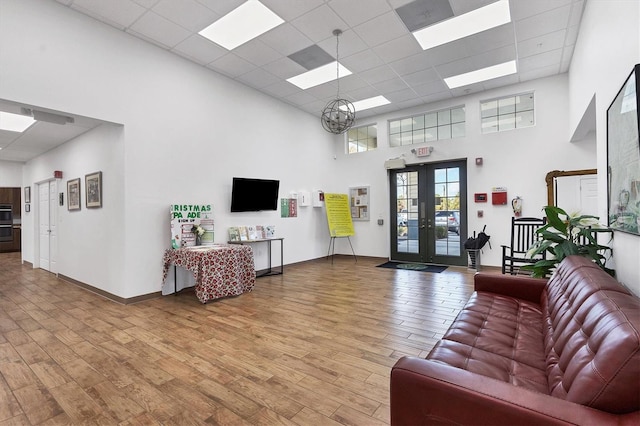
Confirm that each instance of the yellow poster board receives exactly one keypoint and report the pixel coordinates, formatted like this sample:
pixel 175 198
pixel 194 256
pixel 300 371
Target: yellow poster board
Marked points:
pixel 338 215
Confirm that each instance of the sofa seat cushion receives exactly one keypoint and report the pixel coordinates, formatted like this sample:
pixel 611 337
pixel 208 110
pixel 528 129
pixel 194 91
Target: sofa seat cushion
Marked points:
pixel 499 337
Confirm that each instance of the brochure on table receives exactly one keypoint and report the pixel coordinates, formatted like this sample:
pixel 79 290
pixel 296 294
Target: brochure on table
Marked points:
pixel 184 217
pixel 252 232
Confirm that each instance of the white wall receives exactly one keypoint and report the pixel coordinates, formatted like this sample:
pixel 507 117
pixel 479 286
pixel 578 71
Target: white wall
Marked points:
pixel 516 159
pixel 187 131
pixel 90 241
pixel 10 174
pixel 607 48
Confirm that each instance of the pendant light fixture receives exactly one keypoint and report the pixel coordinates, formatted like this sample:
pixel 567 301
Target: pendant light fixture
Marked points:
pixel 339 114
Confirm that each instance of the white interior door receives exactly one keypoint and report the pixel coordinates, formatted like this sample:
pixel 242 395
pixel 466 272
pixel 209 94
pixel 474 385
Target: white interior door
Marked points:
pixel 43 217
pixel 47 226
pixel 578 194
pixel 53 226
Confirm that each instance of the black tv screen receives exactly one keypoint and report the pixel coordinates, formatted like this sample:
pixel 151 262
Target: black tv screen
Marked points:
pixel 252 195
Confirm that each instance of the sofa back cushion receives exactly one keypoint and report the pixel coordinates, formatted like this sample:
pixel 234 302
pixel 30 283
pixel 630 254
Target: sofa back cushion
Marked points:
pixel 592 338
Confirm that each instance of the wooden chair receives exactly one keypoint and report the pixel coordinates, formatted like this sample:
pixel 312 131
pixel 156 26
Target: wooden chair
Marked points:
pixel 523 235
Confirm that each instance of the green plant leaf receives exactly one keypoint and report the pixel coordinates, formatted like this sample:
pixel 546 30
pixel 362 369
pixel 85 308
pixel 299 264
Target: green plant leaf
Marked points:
pixel 554 220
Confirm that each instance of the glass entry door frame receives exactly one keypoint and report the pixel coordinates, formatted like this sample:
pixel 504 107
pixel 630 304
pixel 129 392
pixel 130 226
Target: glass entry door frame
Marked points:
pixel 428 213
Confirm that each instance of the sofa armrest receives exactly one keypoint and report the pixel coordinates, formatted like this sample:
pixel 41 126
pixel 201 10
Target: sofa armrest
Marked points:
pixel 428 392
pixel 520 287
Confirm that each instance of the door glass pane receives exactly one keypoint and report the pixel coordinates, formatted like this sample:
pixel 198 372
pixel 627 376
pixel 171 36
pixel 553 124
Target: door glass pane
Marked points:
pixel 407 211
pixel 447 211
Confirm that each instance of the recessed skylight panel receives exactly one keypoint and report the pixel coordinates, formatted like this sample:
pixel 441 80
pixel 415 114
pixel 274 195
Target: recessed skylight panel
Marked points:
pixel 376 101
pixel 15 122
pixel 478 20
pixel 242 24
pixel 318 76
pixel 483 74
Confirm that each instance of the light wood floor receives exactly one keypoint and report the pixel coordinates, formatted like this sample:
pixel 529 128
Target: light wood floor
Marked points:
pixel 312 347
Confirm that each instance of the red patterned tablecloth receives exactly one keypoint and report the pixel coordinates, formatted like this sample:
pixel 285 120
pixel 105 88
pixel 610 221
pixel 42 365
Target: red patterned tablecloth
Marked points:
pixel 219 271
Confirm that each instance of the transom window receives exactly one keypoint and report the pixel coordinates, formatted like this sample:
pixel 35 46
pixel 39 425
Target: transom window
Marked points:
pixel 361 139
pixel 432 126
pixel 510 112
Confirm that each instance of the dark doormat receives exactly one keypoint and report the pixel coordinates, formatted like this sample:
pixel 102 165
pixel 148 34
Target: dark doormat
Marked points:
pixel 436 269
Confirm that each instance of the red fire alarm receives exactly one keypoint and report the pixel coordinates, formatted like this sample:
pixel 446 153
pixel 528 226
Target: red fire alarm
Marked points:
pixel 57 174
pixel 480 197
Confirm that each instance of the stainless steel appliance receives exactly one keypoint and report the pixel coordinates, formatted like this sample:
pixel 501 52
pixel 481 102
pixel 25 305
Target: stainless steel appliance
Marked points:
pixel 6 222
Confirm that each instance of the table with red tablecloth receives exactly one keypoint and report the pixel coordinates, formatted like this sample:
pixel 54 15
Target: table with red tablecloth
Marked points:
pixel 219 270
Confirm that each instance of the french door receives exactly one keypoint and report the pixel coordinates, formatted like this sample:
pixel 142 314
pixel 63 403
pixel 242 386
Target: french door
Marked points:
pixel 429 210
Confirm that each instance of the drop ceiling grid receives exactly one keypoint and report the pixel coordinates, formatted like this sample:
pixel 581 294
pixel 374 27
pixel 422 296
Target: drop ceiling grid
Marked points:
pixel 375 44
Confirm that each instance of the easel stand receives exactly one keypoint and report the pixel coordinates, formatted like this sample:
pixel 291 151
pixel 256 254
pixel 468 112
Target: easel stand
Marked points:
pixel 332 248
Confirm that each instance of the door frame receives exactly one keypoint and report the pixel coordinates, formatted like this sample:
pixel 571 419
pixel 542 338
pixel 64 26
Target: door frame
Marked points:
pixel 427 243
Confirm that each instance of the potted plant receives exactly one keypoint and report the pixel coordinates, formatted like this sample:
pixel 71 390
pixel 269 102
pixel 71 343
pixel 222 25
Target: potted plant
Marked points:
pixel 566 235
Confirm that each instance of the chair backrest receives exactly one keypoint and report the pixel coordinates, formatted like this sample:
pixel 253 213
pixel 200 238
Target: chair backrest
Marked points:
pixel 523 232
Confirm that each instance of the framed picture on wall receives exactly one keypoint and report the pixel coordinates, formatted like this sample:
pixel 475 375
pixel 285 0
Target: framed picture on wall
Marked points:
pixel 73 194
pixel 93 190
pixel 27 194
pixel 623 156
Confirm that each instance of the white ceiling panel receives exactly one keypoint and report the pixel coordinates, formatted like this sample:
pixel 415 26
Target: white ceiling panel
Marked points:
pixel 284 68
pixel 355 12
pixel 291 9
pixel 232 65
pixel 286 39
pixel 542 60
pixel 319 23
pixel 258 78
pixel 362 61
pixel 375 45
pixel 120 13
pixel 159 29
pixel 490 39
pixel 398 48
pixel 539 72
pixel 349 44
pixel 544 43
pixel 257 52
pixel 421 77
pixel 543 23
pixel 525 9
pixel 199 49
pixel 378 74
pixel 188 14
pixel 372 33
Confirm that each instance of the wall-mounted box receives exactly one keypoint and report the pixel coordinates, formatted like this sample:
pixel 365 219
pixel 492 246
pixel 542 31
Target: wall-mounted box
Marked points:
pixel 317 198
pixel 304 198
pixel 480 197
pixel 499 196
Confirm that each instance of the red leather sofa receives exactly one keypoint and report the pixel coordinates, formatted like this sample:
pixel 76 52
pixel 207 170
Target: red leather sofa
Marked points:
pixel 527 351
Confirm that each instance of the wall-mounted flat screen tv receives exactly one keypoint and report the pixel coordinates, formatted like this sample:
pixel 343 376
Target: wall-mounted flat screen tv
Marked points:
pixel 252 195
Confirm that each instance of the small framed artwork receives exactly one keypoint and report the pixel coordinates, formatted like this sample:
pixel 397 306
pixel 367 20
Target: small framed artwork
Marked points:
pixel 73 194
pixel 27 208
pixel 27 194
pixel 93 190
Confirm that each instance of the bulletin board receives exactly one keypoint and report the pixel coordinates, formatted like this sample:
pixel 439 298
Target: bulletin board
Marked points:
pixel 359 202
pixel 338 215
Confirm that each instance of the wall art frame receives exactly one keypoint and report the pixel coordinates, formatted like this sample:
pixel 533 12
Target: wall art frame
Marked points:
pixel 73 194
pixel 623 156
pixel 359 202
pixel 93 190
pixel 27 194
